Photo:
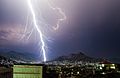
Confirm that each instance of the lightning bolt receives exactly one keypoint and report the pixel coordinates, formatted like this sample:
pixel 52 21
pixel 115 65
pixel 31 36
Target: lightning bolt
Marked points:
pixel 38 29
pixel 27 34
pixel 59 11
pixel 59 20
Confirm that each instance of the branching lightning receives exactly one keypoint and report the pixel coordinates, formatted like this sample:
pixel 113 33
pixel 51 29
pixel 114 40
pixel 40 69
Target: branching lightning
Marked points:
pixel 56 27
pixel 36 26
pixel 59 20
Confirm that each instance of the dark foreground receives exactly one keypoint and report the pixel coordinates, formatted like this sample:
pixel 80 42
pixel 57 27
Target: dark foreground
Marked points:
pixel 59 71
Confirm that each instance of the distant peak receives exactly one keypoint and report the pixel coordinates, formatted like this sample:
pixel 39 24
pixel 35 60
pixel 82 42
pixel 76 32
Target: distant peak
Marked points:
pixel 81 53
pixel 78 53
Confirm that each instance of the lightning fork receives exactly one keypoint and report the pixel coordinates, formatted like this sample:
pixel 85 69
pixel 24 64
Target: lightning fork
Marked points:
pixel 38 29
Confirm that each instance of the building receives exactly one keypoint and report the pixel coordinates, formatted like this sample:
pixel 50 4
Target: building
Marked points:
pixel 6 72
pixel 28 71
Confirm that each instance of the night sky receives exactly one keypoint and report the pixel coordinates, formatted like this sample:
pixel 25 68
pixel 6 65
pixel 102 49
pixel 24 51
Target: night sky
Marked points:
pixel 92 27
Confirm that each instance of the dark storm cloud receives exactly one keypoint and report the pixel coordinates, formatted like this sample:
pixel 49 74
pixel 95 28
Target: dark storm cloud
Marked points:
pixel 13 11
pixel 3 35
pixel 92 26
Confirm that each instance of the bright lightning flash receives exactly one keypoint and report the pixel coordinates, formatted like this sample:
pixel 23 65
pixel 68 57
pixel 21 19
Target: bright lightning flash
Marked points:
pixel 36 25
pixel 38 29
